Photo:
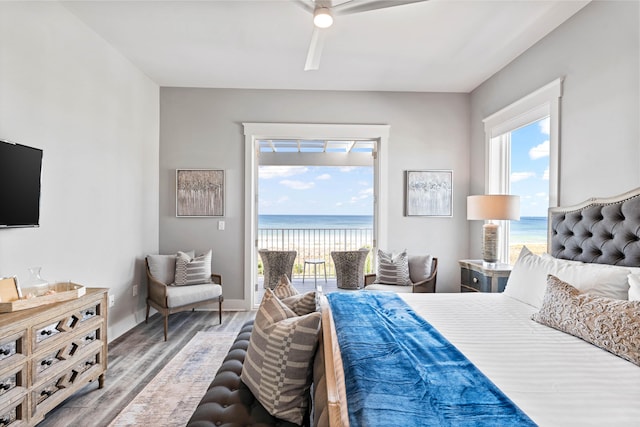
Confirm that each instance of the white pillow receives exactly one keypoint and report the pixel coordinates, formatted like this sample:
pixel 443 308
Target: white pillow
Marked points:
pixel 419 267
pixel 528 279
pixel 634 290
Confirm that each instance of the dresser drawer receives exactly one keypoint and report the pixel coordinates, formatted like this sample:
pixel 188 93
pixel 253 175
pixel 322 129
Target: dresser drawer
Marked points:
pixel 12 349
pixel 44 363
pixel 12 379
pixel 474 281
pixel 57 329
pixel 14 413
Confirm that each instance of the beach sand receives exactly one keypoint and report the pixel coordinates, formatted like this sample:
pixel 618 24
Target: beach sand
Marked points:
pixel 536 248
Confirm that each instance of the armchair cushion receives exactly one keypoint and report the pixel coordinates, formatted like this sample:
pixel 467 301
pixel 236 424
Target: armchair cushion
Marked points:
pixel 393 270
pixel 163 267
pixel 184 295
pixel 192 270
pixel 419 267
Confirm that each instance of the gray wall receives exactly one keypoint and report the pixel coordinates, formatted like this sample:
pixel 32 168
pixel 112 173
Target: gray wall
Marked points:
pixel 202 128
pixel 597 52
pixel 66 91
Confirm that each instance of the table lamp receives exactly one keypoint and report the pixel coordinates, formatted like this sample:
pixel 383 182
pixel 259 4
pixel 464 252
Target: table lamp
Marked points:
pixel 492 207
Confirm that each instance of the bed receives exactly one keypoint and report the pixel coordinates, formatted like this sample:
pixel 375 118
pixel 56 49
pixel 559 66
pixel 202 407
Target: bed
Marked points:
pixel 553 377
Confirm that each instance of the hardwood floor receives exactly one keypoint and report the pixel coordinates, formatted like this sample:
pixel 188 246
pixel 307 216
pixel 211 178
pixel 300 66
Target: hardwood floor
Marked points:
pixel 134 359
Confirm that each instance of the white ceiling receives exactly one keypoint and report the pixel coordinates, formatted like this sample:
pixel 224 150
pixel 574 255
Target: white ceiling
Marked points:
pixel 431 46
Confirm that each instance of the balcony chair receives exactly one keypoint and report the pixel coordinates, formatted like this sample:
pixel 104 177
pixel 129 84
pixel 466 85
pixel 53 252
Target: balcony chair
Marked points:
pixel 276 263
pixel 350 268
pixel 167 298
pixel 419 282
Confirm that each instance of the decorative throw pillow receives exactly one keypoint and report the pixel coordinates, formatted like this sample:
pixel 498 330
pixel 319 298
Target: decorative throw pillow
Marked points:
pixel 611 324
pixel 393 270
pixel 419 267
pixel 301 304
pixel 277 367
pixel 634 290
pixel 193 270
pixel 284 288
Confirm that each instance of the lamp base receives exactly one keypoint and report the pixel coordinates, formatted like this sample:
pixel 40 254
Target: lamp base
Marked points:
pixel 490 243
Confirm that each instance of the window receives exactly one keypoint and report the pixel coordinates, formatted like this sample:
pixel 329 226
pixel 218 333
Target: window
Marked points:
pixel 519 161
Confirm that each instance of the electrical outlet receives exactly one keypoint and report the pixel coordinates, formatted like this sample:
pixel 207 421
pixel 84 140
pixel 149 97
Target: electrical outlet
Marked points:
pixel 221 225
pixel 112 300
pixel 135 290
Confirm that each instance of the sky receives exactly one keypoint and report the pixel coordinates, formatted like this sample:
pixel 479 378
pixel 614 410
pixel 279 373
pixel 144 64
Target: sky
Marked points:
pixel 530 167
pixel 315 190
pixel 331 190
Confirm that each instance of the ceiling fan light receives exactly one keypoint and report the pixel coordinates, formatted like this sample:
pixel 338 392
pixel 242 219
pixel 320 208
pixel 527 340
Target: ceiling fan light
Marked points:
pixel 322 17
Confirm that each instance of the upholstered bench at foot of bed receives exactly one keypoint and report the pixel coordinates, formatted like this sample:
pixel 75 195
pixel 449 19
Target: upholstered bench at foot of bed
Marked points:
pixel 228 401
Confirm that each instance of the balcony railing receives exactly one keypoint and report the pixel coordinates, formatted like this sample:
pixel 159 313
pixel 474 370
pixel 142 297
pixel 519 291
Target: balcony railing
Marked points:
pixel 315 243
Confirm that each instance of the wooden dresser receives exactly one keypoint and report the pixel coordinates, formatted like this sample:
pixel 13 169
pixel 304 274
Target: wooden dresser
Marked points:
pixel 50 352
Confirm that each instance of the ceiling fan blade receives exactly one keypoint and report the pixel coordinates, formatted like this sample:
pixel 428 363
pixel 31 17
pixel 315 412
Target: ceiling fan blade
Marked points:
pixel 307 5
pixel 315 49
pixel 356 6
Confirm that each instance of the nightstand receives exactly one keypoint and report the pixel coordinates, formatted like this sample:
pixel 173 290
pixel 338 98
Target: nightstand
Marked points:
pixel 474 277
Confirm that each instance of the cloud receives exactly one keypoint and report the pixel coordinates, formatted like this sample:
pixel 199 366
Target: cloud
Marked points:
pixel 367 191
pixel 297 185
pixel 541 194
pixel 545 126
pixel 339 204
pixel 364 183
pixel 268 172
pixel 545 174
pixel 324 176
pixel 347 168
pixel 283 199
pixel 521 176
pixel 539 151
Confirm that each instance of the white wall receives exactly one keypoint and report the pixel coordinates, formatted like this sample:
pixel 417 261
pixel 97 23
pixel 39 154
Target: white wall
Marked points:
pixel 66 91
pixel 597 52
pixel 202 128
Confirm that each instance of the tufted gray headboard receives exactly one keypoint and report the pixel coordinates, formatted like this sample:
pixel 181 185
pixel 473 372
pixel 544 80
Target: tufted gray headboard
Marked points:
pixel 599 230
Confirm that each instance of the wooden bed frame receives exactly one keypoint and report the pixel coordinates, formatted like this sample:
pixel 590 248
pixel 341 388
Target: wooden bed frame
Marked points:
pixel 599 230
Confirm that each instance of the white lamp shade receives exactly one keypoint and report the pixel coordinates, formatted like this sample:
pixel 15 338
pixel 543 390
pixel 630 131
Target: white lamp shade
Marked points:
pixel 493 207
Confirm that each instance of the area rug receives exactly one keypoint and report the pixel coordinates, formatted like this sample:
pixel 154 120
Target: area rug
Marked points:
pixel 173 394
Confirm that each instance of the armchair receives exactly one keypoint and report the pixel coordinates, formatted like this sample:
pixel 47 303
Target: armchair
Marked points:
pixel 350 268
pixel 420 285
pixel 276 263
pixel 168 298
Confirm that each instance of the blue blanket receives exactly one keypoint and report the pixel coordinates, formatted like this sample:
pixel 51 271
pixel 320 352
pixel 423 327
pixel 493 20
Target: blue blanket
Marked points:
pixel 400 371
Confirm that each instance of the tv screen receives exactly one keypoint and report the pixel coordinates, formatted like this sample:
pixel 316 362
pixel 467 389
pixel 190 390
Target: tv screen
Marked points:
pixel 20 168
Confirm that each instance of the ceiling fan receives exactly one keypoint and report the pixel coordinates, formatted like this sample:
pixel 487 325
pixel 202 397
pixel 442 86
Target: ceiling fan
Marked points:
pixel 323 12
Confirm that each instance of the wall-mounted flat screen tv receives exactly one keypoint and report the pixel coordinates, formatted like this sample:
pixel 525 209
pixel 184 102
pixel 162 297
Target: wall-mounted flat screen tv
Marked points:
pixel 20 168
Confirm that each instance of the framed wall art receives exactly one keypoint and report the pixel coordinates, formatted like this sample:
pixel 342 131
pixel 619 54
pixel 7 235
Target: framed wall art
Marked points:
pixel 429 193
pixel 199 192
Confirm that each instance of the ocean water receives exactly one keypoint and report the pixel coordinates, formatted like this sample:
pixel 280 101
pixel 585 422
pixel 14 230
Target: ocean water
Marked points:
pixel 527 230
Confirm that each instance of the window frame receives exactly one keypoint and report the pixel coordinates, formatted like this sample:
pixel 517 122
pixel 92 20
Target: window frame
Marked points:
pixel 539 104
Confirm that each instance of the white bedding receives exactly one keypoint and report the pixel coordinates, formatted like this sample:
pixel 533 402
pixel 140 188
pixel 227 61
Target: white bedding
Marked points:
pixel 555 378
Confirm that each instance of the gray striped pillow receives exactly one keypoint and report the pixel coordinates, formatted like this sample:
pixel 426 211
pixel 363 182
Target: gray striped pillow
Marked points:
pixel 277 366
pixel 393 270
pixel 193 271
pixel 301 304
pixel 284 288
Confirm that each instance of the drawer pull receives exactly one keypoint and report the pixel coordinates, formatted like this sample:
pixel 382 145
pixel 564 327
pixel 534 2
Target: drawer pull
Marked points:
pixel 47 362
pixel 89 363
pixel 90 313
pixel 46 393
pixel 5 351
pixel 90 338
pixel 5 386
pixel 46 332
pixel 475 280
pixel 5 421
